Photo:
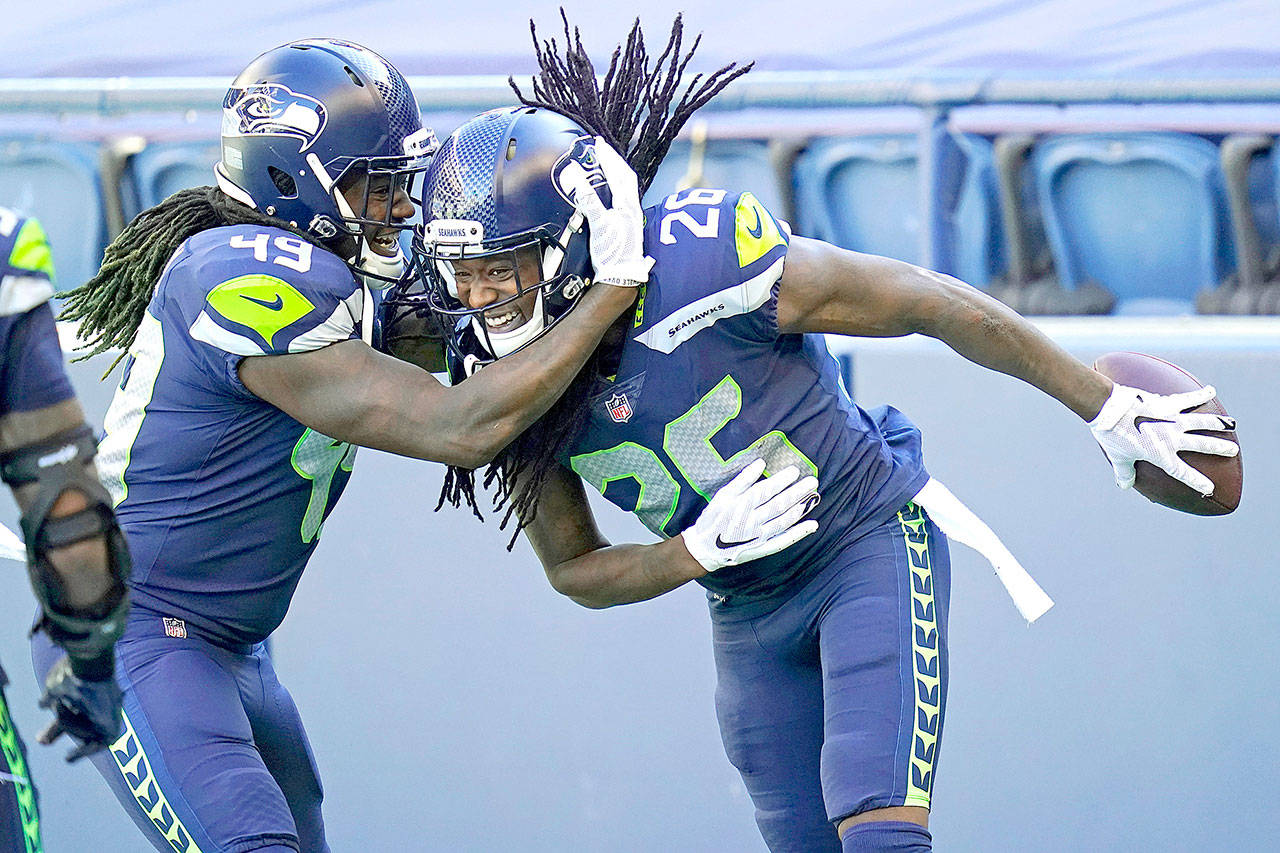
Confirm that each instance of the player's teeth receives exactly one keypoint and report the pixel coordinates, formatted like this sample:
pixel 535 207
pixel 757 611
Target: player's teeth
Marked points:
pixel 500 320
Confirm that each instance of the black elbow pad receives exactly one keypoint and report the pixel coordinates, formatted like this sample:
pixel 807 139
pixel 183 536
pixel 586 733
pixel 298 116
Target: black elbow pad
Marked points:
pixel 58 466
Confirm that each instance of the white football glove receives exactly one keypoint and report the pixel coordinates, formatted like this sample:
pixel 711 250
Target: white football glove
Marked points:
pixel 617 232
pixel 751 517
pixel 1138 425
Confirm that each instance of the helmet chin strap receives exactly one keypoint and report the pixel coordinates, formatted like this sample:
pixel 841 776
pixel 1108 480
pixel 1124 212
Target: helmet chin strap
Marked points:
pixel 505 343
pixel 383 271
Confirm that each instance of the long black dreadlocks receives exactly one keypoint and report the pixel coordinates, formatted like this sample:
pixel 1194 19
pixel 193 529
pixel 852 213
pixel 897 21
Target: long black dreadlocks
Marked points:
pixel 633 110
pixel 110 306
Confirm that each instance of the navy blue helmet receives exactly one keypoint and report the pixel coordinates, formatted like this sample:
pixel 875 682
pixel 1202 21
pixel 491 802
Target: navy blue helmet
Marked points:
pixel 303 117
pixel 494 189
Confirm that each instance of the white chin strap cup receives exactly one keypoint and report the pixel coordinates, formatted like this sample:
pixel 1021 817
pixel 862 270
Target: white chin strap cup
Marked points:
pixel 384 271
pixel 505 343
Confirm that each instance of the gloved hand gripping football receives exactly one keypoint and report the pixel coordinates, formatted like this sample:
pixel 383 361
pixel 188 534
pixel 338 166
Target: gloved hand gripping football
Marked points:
pixel 1136 425
pixel 616 232
pixel 751 517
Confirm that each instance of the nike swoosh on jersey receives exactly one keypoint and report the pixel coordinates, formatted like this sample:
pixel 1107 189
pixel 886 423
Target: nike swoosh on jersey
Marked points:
pixel 759 229
pixel 274 305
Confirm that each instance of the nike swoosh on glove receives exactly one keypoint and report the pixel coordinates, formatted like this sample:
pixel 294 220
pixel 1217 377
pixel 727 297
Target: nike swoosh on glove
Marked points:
pixel 752 517
pixel 1136 425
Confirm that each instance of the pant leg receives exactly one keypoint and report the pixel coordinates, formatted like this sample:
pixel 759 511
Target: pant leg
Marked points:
pixel 286 751
pixel 19 813
pixel 769 705
pixel 884 659
pixel 186 769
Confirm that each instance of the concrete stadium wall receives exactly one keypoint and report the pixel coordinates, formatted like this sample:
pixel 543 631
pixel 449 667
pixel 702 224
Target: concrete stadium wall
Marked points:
pixel 456 703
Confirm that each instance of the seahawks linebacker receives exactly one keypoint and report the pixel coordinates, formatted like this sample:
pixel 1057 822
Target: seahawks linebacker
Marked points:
pixel 831 655
pixel 247 386
pixel 76 554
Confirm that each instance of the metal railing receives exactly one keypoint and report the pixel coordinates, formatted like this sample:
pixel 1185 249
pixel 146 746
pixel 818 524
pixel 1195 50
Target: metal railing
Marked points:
pixel 762 89
pixel 934 95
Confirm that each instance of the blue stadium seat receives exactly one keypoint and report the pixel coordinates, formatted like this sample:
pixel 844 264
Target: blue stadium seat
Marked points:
pixel 863 193
pixel 58 183
pixel 738 165
pixel 162 169
pixel 1143 214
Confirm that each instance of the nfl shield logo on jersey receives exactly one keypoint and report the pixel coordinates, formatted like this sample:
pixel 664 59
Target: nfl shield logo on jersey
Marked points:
pixel 175 628
pixel 619 408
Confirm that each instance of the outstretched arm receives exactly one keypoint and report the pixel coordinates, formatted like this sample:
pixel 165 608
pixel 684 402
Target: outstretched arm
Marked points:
pixel 747 518
pixel 352 393
pixel 827 289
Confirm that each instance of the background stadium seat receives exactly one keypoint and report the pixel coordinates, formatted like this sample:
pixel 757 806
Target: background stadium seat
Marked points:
pixel 863 193
pixel 1142 214
pixel 162 169
pixel 737 165
pixel 58 183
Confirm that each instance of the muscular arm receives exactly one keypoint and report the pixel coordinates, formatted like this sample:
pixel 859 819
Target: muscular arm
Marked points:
pixel 352 393
pixel 82 567
pixel 827 289
pixel 581 564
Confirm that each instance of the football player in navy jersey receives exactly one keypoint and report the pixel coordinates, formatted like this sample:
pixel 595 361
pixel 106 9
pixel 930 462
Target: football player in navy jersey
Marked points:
pixel 246 312
pixel 831 654
pixel 75 551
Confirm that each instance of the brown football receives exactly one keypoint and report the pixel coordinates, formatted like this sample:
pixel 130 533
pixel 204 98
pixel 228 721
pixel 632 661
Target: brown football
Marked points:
pixel 1227 472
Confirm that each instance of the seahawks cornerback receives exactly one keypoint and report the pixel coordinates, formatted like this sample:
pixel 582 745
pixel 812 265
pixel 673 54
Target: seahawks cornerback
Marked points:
pixel 691 390
pixel 830 650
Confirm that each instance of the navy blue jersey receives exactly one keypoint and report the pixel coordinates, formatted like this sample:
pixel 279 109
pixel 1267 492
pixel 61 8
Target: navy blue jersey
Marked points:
pixel 706 384
pixel 221 494
pixel 32 375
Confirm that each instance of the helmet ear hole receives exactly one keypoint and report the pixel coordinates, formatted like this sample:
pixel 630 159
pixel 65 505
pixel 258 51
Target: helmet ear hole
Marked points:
pixel 284 182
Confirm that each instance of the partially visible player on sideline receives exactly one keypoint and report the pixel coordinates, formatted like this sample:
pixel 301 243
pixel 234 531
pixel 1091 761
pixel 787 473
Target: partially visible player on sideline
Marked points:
pixel 831 656
pixel 75 552
pixel 246 311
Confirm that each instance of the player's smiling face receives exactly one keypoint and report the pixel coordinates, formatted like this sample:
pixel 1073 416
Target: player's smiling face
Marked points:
pixel 491 280
pixel 381 197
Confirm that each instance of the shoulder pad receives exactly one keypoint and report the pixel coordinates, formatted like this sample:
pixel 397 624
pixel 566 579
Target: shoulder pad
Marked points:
pixel 26 264
pixel 266 291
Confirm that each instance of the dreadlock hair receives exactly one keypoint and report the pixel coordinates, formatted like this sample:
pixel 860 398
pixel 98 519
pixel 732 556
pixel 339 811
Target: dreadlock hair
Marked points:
pixel 635 110
pixel 110 306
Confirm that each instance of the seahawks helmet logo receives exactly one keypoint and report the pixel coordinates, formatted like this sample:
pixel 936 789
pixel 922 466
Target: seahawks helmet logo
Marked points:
pixel 583 153
pixel 269 109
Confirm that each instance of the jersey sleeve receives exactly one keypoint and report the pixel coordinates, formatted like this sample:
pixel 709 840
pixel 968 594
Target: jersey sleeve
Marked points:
pixel 268 292
pixel 32 374
pixel 718 257
pixel 26 264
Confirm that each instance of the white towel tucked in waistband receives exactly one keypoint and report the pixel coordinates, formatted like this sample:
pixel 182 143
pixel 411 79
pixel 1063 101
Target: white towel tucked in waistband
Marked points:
pixel 959 523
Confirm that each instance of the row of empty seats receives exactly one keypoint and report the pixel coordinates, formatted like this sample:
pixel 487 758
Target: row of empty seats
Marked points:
pixel 1134 223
